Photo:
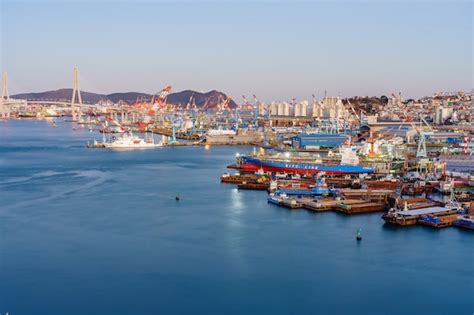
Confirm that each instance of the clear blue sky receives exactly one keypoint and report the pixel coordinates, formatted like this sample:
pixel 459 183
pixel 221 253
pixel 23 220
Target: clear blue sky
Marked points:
pixel 277 50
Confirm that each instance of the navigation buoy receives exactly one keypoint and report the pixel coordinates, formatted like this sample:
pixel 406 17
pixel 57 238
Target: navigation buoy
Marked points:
pixel 177 197
pixel 359 235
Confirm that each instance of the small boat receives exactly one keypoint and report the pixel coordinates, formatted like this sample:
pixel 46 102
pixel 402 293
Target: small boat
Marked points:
pixel 276 198
pixel 466 222
pixel 96 144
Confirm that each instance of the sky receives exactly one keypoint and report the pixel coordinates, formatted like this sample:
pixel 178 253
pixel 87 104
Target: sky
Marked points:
pixel 274 49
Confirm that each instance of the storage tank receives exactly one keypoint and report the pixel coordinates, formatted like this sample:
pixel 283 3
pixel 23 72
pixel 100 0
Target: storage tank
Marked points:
pixel 317 111
pixel 286 109
pixel 303 108
pixel 274 109
pixel 298 110
pixel 281 109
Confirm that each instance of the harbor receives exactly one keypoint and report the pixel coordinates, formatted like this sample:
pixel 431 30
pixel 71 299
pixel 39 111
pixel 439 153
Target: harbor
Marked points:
pixel 328 155
pixel 141 218
pixel 236 157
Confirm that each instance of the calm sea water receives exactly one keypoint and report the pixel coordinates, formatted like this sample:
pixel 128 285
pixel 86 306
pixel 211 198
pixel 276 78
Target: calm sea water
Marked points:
pixel 91 231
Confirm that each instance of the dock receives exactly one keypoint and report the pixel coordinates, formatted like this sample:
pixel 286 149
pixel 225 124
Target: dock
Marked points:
pixel 363 207
pixel 410 217
pixel 373 195
pixel 348 206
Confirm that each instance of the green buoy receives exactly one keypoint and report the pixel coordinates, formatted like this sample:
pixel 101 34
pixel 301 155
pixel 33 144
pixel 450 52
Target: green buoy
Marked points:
pixel 359 234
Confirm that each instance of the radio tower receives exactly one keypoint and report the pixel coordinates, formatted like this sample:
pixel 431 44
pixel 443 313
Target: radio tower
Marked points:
pixel 76 91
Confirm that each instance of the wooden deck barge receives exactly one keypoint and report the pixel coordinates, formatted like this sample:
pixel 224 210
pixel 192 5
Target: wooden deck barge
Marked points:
pixel 364 207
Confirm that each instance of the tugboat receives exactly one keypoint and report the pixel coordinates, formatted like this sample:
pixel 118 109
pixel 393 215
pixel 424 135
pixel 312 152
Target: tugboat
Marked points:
pixel 466 222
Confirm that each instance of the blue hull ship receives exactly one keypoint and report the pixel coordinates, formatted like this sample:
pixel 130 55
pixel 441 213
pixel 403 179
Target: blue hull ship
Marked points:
pixel 248 163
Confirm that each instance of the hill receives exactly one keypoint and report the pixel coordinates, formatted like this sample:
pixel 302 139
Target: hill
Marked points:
pixel 203 100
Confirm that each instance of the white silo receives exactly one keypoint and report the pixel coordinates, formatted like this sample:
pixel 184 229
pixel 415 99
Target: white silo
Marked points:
pixel 298 110
pixel 274 109
pixel 286 109
pixel 304 108
pixel 281 109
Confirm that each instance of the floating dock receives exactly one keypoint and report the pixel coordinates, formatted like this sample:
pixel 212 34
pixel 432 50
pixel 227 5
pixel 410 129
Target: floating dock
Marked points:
pixel 365 207
pixel 410 217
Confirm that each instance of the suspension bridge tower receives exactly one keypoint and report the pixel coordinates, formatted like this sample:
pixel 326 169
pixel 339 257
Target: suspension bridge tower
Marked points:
pixel 76 91
pixel 4 108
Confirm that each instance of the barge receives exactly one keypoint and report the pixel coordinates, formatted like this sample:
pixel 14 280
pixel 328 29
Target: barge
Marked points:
pixel 253 186
pixel 410 217
pixel 365 207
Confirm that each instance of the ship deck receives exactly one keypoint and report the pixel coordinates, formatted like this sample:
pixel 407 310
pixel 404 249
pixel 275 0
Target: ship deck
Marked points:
pixel 424 211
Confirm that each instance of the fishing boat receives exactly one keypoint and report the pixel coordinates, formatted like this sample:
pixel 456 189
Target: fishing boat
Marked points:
pixel 130 141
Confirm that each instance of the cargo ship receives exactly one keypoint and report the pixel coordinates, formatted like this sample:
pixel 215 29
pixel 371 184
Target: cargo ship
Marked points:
pixel 252 164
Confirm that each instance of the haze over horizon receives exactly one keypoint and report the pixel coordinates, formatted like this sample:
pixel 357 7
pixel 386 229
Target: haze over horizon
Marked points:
pixel 276 50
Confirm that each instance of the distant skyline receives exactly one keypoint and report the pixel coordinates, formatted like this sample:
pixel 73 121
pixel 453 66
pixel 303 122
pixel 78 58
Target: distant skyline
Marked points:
pixel 276 50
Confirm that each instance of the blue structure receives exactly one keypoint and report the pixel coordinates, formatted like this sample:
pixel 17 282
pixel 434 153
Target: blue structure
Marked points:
pixel 306 141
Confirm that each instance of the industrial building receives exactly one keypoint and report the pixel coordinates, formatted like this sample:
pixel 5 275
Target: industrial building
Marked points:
pixel 318 140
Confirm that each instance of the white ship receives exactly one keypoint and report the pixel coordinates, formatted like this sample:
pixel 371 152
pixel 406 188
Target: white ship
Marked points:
pixel 130 141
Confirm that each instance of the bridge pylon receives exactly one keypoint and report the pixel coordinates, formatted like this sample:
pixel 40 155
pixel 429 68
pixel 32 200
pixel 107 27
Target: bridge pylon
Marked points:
pixel 5 93
pixel 76 110
pixel 4 109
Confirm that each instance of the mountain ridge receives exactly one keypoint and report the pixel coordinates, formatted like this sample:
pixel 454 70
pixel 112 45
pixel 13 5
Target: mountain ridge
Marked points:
pixel 203 100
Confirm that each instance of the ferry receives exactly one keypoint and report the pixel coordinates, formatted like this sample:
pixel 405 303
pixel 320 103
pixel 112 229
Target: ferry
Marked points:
pixel 130 141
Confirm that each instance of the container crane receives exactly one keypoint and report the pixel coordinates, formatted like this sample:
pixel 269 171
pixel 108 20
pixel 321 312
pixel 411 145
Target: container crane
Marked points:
pixel 353 110
pixel 190 101
pixel 257 113
pixel 115 122
pixel 246 104
pixel 421 151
